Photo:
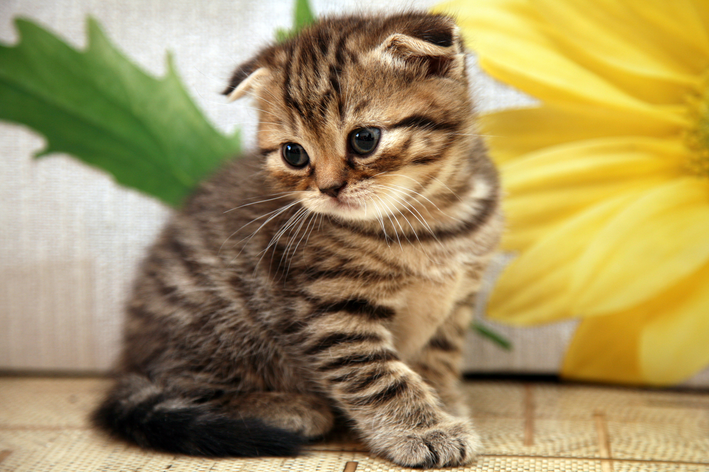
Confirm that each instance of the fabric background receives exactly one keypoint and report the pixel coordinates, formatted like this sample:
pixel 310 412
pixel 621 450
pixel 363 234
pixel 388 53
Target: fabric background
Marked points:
pixel 70 238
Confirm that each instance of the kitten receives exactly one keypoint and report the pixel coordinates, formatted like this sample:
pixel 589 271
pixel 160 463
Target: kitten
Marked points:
pixel 333 272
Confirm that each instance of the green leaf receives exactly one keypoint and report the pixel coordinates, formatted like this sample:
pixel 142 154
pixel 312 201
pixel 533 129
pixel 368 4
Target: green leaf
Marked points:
pixel 493 336
pixel 302 17
pixel 99 107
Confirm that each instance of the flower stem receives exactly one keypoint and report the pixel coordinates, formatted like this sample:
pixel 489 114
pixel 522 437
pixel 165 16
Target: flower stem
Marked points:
pixel 493 336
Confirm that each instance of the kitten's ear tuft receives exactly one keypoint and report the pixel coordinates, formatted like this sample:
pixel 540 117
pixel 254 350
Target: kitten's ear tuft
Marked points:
pixel 433 47
pixel 244 80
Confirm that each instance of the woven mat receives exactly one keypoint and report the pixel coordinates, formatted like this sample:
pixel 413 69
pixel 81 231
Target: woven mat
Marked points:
pixel 525 427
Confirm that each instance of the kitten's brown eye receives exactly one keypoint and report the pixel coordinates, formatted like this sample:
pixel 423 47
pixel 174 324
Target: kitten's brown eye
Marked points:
pixel 295 155
pixel 364 140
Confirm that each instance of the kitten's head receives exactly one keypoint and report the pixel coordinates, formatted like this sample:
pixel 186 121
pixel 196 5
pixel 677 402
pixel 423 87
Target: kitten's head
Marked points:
pixel 361 115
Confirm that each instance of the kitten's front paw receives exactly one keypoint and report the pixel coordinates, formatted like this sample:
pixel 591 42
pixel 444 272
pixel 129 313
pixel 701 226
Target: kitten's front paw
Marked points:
pixel 448 444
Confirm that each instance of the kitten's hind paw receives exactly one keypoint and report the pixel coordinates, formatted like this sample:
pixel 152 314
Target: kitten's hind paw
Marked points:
pixel 448 444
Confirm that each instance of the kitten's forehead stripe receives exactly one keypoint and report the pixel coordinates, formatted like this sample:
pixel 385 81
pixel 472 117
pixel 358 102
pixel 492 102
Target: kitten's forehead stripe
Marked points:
pixel 361 106
pixel 290 103
pixel 318 90
pixel 426 122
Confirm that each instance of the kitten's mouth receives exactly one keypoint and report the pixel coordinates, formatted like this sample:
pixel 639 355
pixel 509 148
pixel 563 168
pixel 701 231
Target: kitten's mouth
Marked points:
pixel 350 206
pixel 344 204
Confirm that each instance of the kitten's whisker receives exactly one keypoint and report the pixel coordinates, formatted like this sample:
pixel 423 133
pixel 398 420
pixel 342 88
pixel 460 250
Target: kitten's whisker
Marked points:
pixel 244 226
pixel 276 237
pixel 262 201
pixel 406 206
pixel 410 208
pixel 291 238
pixel 466 134
pixel 447 188
pixel 408 177
pixel 428 200
pixel 423 196
pixel 413 230
pixel 433 178
pixel 266 112
pixel 269 195
pixel 261 97
pixel 379 173
pixel 380 218
pixel 310 218
pixel 280 211
pixel 316 217
pixel 290 227
pixel 276 211
pixel 285 227
pixel 388 214
pixel 265 89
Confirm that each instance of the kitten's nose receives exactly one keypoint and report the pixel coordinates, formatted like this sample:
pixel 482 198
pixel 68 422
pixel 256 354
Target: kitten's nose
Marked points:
pixel 334 189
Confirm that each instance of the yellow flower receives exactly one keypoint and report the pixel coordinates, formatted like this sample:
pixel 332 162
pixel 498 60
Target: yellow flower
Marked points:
pixel 607 180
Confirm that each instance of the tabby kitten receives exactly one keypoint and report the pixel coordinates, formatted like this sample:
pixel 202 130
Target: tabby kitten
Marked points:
pixel 330 274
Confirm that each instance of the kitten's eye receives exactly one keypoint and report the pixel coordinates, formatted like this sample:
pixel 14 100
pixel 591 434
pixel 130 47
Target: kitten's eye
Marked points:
pixel 295 155
pixel 364 140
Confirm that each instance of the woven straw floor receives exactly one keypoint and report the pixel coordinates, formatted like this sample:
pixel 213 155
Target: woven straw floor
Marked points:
pixel 525 426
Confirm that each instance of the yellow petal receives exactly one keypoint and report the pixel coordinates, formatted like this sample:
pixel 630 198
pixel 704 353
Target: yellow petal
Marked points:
pixel 642 31
pixel 526 65
pixel 519 15
pixel 534 288
pixel 675 345
pixel 701 16
pixel 591 162
pixel 618 54
pixel 511 48
pixel 543 210
pixel 552 184
pixel 662 341
pixel 605 349
pixel 657 240
pixel 511 133
pixel 681 21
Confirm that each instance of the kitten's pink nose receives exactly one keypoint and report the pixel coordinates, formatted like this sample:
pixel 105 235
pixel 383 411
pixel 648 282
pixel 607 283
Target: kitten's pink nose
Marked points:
pixel 333 190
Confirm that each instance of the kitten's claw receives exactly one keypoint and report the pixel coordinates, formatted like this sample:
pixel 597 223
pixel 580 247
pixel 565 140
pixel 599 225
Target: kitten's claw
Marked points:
pixel 449 444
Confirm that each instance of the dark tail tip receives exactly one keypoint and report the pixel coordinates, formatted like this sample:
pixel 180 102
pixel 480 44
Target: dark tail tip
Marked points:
pixel 196 430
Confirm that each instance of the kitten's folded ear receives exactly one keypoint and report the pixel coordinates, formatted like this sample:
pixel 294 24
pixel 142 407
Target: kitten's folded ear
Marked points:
pixel 431 45
pixel 245 79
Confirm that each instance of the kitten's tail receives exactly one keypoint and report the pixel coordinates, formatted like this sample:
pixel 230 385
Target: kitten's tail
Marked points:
pixel 139 412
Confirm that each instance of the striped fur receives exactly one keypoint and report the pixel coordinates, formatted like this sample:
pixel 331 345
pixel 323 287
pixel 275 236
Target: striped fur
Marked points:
pixel 268 307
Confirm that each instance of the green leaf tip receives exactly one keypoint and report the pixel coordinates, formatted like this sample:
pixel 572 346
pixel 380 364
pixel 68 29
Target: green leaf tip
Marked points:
pixel 302 17
pixel 101 108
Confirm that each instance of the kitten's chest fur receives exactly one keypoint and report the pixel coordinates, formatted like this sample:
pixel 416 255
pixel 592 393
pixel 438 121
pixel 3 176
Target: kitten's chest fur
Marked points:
pixel 422 308
pixel 430 278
